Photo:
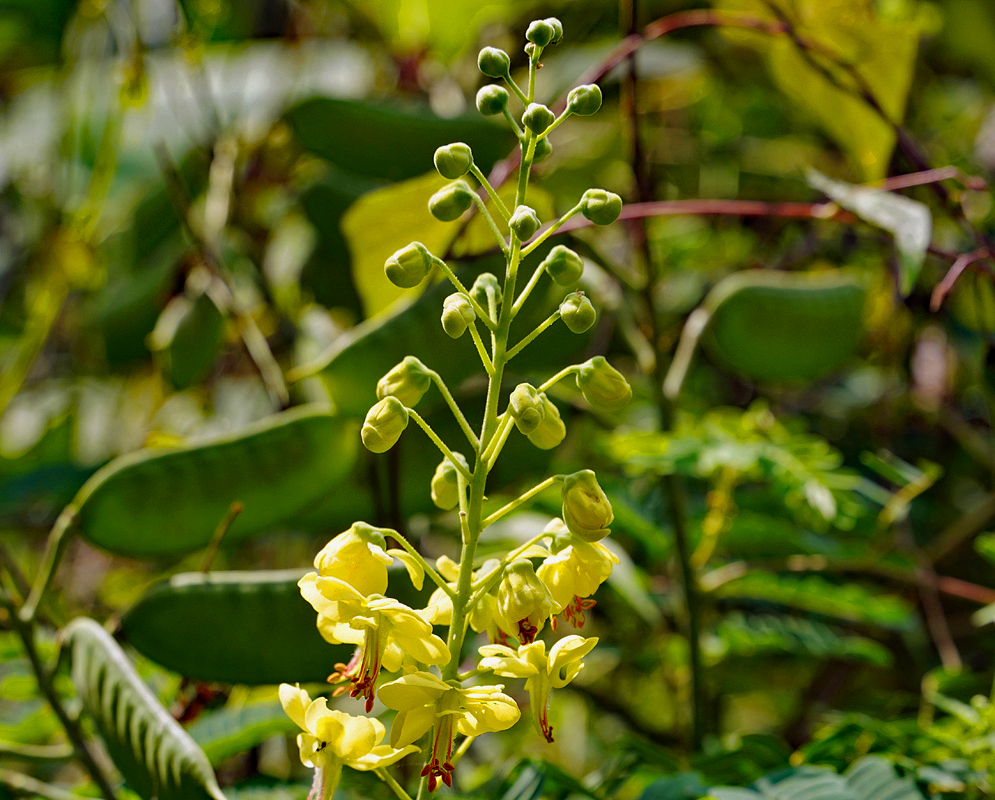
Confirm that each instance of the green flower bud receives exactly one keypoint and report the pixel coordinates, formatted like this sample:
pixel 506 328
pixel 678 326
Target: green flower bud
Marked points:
pixel 486 284
pixel 492 99
pixel 409 265
pixel 451 201
pixel 523 601
pixel 524 222
pixel 602 385
pixel 457 315
pixel 543 149
pixel 445 483
pixel 494 62
pixel 563 265
pixel 384 424
pixel 577 312
pixel 541 32
pixel 584 100
pixel 525 407
pixel 601 207
pixel 557 28
pixel 537 117
pixel 551 430
pixel 454 160
pixel 586 510
pixel 408 382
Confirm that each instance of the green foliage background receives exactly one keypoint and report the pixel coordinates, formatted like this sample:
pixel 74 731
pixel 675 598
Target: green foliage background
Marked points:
pixel 196 200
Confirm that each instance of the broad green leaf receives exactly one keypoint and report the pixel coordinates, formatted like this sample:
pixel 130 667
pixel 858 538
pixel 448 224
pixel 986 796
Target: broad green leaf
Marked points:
pixel 157 758
pixel 240 627
pixel 388 141
pixel 229 731
pixel 754 755
pixel 686 786
pixel 187 338
pixel 785 327
pixel 385 220
pixel 164 501
pixel 908 221
pixel 740 635
pixel 881 45
pixel 815 594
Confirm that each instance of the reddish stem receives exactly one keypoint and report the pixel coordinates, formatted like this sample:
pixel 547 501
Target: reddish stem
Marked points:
pixel 943 288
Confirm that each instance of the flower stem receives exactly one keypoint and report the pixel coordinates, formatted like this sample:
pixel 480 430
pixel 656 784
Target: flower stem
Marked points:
pixel 389 779
pixel 498 202
pixel 439 443
pixel 451 402
pixel 533 335
pixel 520 500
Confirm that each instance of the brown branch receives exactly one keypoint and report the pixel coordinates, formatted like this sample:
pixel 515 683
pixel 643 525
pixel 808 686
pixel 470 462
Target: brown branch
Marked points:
pixel 961 529
pixel 944 287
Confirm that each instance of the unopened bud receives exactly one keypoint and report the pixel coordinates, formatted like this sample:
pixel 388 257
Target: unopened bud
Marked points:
pixel 542 32
pixel 409 265
pixel 494 62
pixel 384 424
pixel 524 222
pixel 601 207
pixel 584 100
pixel 525 407
pixel 537 117
pixel 453 160
pixel 563 265
pixel 492 99
pixel 551 430
pixel 486 286
pixel 586 510
pixel 577 312
pixel 457 315
pixel 445 483
pixel 523 601
pixel 408 382
pixel 451 201
pixel 602 385
pixel 542 151
pixel 357 556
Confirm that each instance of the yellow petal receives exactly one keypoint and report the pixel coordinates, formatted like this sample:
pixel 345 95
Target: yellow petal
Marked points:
pixel 295 702
pixel 415 570
pixel 568 649
pixel 382 756
pixel 348 736
pixel 410 726
pixel 487 709
pixel 411 691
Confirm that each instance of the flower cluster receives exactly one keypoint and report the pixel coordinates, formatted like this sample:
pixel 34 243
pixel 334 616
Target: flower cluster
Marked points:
pixel 511 599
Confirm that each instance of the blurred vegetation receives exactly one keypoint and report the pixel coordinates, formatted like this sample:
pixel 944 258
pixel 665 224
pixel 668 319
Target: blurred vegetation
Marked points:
pixel 196 200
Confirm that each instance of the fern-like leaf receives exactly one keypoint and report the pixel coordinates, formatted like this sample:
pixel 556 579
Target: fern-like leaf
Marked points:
pixel 157 758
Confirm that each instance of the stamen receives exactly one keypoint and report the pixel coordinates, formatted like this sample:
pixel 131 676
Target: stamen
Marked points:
pixel 527 631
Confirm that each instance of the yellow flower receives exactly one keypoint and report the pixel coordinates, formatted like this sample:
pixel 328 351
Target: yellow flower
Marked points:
pixel 386 630
pixel 523 602
pixel 482 617
pixel 574 570
pixel 586 510
pixel 542 673
pixel 332 738
pixel 425 701
pixel 359 557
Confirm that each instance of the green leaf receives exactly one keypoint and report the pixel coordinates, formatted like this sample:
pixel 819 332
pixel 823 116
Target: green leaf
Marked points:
pixel 229 731
pixel 687 786
pixel 881 45
pixel 813 593
pixel 874 778
pixel 389 141
pixel 908 221
pixel 740 635
pixel 785 327
pixel 161 501
pixel 157 758
pixel 236 627
pixel 240 627
pixel 755 755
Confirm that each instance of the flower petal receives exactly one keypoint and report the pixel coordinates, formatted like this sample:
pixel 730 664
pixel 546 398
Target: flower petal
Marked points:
pixel 295 702
pixel 410 726
pixel 415 570
pixel 381 756
pixel 412 691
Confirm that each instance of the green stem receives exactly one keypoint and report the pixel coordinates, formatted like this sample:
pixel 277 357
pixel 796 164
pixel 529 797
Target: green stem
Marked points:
pixel 696 323
pixel 55 547
pixel 487 582
pixel 513 123
pixel 505 424
pixel 481 350
pixel 551 319
pixel 555 124
pixel 502 244
pixel 514 88
pixel 21 784
pixel 36 752
pixel 457 412
pixel 475 171
pixel 387 778
pixel 439 443
pixel 437 579
pixel 520 500
pixel 533 282
pixel 559 376
pixel 458 284
pixel 542 237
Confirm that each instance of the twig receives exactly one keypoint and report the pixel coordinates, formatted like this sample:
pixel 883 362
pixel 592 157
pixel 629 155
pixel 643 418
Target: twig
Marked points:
pixel 965 526
pixel 252 337
pixel 943 288
pixel 219 534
